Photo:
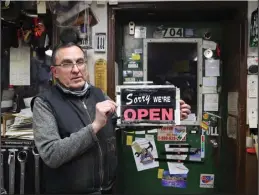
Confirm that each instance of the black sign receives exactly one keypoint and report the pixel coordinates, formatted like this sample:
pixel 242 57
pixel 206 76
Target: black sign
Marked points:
pixel 147 105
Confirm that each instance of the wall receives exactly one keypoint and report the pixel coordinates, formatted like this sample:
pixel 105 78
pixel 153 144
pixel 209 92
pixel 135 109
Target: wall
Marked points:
pixel 101 13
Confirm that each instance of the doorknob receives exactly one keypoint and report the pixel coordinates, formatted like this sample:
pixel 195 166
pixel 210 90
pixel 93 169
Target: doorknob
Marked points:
pixel 214 143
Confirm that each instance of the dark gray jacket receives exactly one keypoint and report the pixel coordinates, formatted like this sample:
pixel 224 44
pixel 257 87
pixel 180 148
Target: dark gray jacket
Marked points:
pixel 77 161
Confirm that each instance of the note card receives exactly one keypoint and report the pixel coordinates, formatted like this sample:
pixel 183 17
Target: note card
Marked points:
pixel 212 68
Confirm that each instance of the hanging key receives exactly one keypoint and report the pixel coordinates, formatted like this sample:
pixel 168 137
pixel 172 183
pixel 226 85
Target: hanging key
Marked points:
pixel 11 163
pixel 22 158
pixel 37 170
pixel 3 191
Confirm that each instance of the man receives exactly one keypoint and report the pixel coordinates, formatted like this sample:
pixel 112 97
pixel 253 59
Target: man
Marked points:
pixel 73 128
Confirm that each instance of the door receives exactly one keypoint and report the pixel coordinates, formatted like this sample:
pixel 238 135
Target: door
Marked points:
pixel 199 177
pixel 220 158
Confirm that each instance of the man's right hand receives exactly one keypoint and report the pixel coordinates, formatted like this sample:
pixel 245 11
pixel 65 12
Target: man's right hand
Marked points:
pixel 103 110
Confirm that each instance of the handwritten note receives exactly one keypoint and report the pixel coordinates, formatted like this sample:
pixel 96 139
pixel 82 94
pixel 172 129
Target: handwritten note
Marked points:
pixel 209 81
pixel 211 102
pixel 160 173
pixel 212 68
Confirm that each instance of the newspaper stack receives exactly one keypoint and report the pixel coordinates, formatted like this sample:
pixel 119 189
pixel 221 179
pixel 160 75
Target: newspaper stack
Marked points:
pixel 21 128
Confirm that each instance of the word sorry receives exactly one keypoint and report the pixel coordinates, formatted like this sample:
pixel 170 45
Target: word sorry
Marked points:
pixel 149 114
pixel 146 99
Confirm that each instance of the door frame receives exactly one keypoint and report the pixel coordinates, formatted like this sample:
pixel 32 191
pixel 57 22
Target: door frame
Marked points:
pixel 242 85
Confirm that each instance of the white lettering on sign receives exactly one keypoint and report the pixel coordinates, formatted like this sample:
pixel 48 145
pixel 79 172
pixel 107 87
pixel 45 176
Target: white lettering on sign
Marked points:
pixel 173 32
pixel 146 98
pixel 212 131
pixel 162 99
pixel 139 99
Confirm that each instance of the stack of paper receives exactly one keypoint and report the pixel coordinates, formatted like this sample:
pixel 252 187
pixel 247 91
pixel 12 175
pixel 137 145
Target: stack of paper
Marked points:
pixel 22 126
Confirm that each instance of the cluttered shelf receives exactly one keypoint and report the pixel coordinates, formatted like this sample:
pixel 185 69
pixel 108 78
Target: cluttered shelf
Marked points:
pixel 17 125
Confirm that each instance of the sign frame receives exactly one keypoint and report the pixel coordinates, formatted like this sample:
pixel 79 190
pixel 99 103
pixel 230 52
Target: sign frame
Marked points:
pixel 177 114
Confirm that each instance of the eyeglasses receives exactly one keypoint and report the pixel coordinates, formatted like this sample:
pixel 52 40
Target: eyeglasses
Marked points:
pixel 70 65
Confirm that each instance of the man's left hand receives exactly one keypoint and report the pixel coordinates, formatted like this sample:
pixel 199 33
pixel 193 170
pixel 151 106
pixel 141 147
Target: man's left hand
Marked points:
pixel 185 110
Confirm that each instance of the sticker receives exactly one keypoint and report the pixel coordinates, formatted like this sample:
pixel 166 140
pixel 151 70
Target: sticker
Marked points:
pixel 135 56
pixel 174 180
pixel 202 146
pixel 130 79
pixel 204 125
pixel 132 64
pixel 160 173
pixel 206 44
pixel 129 140
pixel 208 53
pixel 149 137
pixel 137 73
pixel 130 132
pixel 197 154
pixel 206 116
pixel 211 114
pixel 172 133
pixel 193 132
pixel 152 131
pixel 140 32
pixel 139 51
pixel 189 32
pixel 207 181
pixel 127 73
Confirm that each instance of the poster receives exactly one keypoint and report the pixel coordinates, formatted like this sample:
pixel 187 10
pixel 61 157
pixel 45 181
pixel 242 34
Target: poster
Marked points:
pixel 144 152
pixel 172 133
pixel 174 180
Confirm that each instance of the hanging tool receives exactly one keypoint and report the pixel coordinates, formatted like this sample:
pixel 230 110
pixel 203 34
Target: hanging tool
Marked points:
pixel 11 163
pixel 3 191
pixel 37 170
pixel 22 158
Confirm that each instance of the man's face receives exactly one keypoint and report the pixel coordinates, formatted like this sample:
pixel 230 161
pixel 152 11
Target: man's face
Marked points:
pixel 70 68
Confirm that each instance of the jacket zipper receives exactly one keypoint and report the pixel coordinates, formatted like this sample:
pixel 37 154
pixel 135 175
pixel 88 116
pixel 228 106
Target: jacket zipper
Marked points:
pixel 100 150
